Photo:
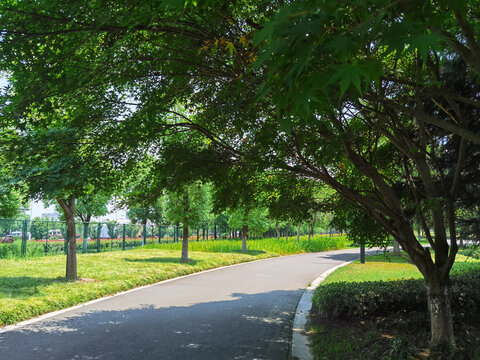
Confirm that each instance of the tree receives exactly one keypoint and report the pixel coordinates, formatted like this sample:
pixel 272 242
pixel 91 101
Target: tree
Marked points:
pixel 289 198
pixel 10 204
pixel 352 96
pixel 255 222
pixel 155 213
pixel 92 204
pixel 50 163
pixel 189 206
pixel 387 99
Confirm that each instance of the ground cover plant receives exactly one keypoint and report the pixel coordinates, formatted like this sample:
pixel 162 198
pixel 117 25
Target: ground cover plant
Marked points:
pixel 378 310
pixel 30 287
pixel 281 247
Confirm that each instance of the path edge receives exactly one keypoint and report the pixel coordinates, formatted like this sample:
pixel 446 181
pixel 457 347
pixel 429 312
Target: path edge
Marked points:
pixel 300 347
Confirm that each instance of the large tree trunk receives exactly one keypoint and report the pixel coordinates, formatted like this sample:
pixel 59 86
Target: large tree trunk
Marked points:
pixel 68 207
pixel 441 325
pixel 185 242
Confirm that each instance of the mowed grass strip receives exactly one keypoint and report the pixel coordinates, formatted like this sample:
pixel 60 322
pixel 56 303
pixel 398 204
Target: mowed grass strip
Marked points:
pixel 31 287
pixel 387 268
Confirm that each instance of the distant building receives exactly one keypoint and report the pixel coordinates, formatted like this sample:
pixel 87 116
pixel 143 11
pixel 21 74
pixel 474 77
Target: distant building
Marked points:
pixel 54 216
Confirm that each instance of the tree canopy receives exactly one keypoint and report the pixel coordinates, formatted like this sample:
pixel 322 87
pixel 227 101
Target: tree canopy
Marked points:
pixel 353 94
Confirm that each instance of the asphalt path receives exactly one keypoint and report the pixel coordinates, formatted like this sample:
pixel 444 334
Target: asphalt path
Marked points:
pixel 239 312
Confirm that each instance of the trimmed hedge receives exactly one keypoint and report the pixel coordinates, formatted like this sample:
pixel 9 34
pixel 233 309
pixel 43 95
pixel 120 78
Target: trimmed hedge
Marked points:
pixel 371 299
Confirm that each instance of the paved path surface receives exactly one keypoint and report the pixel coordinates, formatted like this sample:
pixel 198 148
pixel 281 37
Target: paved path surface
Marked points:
pixel 240 312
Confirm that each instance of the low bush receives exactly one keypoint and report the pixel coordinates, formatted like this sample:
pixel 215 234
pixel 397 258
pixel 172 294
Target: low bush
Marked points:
pixel 473 252
pixel 377 298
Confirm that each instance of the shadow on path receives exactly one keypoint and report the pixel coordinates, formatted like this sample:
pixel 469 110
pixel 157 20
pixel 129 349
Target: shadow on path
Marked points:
pixel 247 326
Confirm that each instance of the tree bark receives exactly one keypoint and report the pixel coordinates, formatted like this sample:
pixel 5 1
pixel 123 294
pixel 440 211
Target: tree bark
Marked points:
pixel 278 231
pixel 186 208
pixel 286 231
pixel 244 237
pixel 396 248
pixel 185 242
pixel 68 207
pixel 312 227
pixel 298 232
pixel 441 324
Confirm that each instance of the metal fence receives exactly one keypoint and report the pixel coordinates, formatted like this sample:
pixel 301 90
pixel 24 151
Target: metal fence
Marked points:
pixel 48 237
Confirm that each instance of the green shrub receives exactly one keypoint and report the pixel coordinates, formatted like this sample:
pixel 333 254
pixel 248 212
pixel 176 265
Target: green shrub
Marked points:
pixel 371 299
pixel 473 252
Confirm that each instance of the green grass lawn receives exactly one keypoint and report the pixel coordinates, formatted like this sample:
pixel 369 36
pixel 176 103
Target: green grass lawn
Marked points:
pixel 387 268
pixel 31 287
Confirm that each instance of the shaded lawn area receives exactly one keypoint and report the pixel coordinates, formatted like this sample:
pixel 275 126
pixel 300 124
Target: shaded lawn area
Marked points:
pixel 401 335
pixel 31 287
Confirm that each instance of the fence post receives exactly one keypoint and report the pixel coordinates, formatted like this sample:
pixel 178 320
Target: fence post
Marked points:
pixel 144 234
pixel 24 237
pixel 85 237
pixel 123 236
pixel 99 228
pixel 362 253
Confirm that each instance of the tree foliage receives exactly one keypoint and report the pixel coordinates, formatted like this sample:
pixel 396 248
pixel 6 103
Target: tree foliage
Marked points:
pixel 352 94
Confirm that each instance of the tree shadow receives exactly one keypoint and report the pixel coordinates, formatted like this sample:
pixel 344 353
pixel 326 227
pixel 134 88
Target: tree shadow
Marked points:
pixel 350 256
pixel 248 252
pixel 24 286
pixel 171 260
pixel 244 326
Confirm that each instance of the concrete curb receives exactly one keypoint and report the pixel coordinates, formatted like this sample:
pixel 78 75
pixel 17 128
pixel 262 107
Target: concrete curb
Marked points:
pixel 300 348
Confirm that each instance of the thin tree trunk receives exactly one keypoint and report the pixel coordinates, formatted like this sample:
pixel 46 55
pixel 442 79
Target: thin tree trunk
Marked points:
pixel 244 235
pixel 185 242
pixel 186 209
pixel 68 208
pixel 278 231
pixel 310 233
pixel 298 232
pixel 286 231
pixel 396 248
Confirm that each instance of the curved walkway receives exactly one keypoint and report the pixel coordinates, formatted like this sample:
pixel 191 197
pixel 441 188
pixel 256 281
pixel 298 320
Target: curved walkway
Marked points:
pixel 238 312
